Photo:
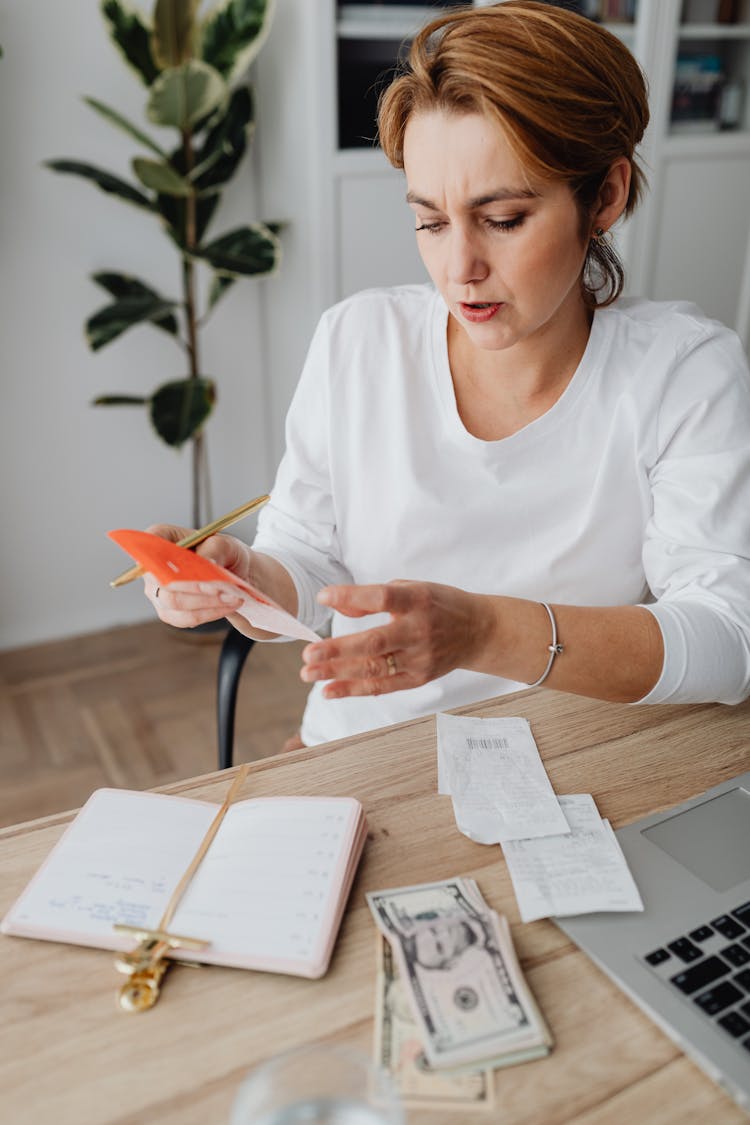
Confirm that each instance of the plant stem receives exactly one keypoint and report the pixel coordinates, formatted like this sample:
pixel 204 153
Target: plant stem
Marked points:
pixel 188 286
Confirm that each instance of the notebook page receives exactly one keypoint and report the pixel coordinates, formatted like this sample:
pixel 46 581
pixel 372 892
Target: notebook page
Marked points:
pixel 268 890
pixel 118 861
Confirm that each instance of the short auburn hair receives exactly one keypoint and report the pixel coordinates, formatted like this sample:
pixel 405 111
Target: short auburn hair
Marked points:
pixel 569 96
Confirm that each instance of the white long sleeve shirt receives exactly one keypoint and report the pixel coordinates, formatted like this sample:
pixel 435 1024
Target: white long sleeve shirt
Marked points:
pixel 634 488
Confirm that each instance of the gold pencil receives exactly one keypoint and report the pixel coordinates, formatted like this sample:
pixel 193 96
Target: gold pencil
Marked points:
pixel 198 536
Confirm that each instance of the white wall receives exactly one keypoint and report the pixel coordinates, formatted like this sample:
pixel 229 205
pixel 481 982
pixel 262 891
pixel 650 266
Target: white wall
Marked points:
pixel 69 471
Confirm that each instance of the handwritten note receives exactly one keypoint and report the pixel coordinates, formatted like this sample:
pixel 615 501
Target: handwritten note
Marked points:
pixel 111 871
pixel 492 770
pixel 581 872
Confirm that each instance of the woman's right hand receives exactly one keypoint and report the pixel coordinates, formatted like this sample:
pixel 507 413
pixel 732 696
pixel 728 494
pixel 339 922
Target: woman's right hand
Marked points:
pixel 186 604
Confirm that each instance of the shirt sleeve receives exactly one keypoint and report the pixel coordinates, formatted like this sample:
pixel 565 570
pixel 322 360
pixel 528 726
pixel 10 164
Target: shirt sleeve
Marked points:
pixel 298 525
pixel 697 547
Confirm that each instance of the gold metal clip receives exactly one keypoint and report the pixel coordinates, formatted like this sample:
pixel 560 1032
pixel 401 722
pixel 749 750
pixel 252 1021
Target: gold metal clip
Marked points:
pixel 146 965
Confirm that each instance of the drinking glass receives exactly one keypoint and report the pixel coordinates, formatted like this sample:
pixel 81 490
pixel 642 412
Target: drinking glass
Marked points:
pixel 317 1085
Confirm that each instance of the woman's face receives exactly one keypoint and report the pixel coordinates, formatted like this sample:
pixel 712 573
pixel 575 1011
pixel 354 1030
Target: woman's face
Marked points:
pixel 504 251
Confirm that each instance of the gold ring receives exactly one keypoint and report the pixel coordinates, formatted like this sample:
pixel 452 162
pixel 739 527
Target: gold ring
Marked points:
pixel 391 662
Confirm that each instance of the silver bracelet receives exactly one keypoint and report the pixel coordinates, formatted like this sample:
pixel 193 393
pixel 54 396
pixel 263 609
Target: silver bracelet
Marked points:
pixel 554 649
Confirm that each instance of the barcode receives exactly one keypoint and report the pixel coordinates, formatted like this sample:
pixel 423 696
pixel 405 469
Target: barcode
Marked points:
pixel 488 743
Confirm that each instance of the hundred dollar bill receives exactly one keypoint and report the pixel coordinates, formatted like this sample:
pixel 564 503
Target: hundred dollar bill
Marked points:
pixel 398 1049
pixel 456 959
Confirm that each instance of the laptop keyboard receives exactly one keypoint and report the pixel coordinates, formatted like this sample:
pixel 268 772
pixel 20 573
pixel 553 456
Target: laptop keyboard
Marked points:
pixel 710 965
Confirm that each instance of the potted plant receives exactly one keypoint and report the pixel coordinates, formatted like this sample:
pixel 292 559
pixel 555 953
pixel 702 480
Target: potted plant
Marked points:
pixel 194 68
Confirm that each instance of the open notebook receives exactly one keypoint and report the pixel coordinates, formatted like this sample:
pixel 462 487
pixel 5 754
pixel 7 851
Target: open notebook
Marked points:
pixel 269 894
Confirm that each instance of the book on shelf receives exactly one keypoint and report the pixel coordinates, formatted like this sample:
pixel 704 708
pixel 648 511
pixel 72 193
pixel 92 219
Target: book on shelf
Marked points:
pixel 696 95
pixel 269 894
pixel 607 11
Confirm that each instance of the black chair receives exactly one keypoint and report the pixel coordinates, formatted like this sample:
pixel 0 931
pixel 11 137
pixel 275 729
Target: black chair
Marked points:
pixel 234 650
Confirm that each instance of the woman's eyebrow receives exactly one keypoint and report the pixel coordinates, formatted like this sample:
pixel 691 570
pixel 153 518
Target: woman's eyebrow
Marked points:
pixel 499 195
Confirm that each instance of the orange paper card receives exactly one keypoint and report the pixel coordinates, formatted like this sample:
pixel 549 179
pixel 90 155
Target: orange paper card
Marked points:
pixel 169 563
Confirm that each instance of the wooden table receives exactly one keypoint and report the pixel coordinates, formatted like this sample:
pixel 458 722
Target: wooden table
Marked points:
pixel 69 1056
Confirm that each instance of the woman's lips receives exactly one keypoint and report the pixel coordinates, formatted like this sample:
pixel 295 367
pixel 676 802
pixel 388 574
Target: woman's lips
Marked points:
pixel 480 312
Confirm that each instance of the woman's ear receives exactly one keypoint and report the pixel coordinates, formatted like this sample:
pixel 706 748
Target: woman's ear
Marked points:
pixel 613 196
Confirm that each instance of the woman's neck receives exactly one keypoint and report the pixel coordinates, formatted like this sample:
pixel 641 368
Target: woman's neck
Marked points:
pixel 498 392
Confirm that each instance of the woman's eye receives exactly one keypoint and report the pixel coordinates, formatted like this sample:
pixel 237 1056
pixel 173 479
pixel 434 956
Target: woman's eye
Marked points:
pixel 505 224
pixel 433 228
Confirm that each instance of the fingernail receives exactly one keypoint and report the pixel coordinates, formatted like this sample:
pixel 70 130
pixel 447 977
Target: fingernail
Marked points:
pixel 325 597
pixel 230 599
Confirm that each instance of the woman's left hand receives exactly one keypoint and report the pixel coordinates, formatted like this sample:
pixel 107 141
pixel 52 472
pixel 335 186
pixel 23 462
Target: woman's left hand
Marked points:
pixel 433 629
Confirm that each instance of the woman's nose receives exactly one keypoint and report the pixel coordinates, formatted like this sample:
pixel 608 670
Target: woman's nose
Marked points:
pixel 466 262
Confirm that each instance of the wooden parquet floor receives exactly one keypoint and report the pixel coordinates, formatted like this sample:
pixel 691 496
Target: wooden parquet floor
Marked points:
pixel 132 707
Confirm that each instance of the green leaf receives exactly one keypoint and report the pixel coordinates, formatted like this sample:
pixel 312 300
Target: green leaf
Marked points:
pixel 104 180
pixel 172 211
pixel 173 41
pixel 122 123
pixel 184 95
pixel 132 36
pixel 179 409
pixel 124 285
pixel 249 250
pixel 225 141
pixel 233 33
pixel 111 321
pixel 160 177
pixel 120 400
pixel 219 285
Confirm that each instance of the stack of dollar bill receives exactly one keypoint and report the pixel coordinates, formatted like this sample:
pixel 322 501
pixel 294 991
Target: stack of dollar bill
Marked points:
pixel 452 1002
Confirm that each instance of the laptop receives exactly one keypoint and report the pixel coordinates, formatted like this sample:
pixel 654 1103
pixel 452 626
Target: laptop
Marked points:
pixel 685 960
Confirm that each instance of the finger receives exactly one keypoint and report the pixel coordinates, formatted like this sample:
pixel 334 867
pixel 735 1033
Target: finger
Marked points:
pixel 169 531
pixel 344 689
pixel 188 619
pixel 367 668
pixel 189 607
pixel 368 655
pixel 358 601
pixel 191 595
pixel 226 551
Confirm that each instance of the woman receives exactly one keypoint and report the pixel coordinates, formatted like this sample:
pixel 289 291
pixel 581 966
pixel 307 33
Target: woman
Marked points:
pixel 509 477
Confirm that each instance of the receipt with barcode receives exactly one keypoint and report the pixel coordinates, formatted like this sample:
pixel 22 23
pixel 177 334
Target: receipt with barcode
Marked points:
pixel 492 771
pixel 582 872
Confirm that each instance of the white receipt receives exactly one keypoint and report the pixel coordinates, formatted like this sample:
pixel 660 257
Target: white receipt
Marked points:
pixel 580 873
pixel 492 770
pixel 261 612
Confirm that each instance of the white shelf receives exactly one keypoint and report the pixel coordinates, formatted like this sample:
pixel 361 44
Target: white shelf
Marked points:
pixel 360 21
pixel 714 31
pixel 359 161
pixel 624 31
pixel 732 142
